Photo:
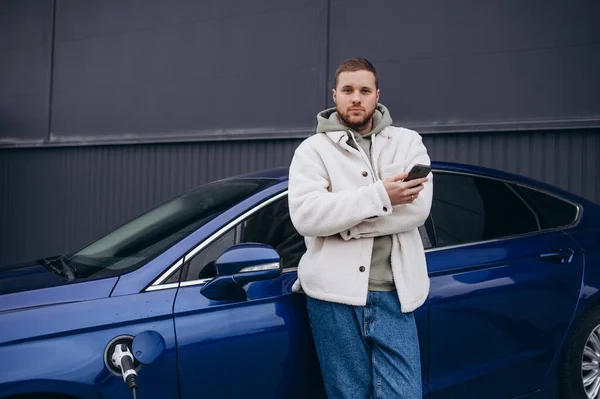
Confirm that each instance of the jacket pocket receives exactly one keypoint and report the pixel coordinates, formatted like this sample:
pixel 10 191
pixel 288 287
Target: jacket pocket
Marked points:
pixel 333 269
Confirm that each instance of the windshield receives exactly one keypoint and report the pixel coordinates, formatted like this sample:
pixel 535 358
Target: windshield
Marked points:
pixel 148 235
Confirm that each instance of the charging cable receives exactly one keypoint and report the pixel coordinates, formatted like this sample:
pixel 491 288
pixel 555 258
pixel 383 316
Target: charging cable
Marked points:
pixel 123 360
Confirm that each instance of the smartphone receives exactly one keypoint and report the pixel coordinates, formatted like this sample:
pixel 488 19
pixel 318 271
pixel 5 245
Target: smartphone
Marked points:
pixel 418 171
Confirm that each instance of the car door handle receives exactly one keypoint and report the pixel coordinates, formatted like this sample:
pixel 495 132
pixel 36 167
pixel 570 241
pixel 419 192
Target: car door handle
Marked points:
pixel 563 256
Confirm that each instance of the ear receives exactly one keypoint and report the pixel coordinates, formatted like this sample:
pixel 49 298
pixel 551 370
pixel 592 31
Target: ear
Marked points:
pixel 334 99
pixel 377 95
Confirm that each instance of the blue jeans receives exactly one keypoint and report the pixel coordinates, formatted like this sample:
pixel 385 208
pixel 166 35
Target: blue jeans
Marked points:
pixel 367 352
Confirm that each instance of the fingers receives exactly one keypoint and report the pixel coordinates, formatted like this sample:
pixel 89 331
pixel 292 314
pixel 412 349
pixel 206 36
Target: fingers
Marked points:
pixel 403 192
pixel 412 197
pixel 407 199
pixel 396 178
pixel 416 182
pixel 400 176
pixel 413 190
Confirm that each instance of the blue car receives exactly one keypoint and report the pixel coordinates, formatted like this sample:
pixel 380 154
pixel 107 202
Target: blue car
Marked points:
pixel 193 299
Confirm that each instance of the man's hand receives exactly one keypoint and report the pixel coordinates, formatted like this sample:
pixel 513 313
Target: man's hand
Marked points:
pixel 403 192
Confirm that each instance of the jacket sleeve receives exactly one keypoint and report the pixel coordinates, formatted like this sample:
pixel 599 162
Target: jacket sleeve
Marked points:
pixel 404 217
pixel 317 212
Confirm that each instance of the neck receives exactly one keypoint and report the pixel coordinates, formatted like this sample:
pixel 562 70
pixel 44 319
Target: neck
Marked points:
pixel 366 128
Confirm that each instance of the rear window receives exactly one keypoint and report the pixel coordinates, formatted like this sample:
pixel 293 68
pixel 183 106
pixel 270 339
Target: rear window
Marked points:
pixel 553 212
pixel 468 209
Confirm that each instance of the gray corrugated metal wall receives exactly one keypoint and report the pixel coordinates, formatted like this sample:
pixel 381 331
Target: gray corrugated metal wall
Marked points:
pixel 166 77
pixel 55 199
pixel 569 159
pixel 58 198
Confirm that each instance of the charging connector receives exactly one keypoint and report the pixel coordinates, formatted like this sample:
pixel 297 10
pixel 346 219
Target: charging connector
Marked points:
pixel 148 346
pixel 122 358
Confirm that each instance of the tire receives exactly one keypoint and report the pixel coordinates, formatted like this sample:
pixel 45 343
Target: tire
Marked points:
pixel 573 374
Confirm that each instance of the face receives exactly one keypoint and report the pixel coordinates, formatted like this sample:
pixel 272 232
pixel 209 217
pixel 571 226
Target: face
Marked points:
pixel 355 98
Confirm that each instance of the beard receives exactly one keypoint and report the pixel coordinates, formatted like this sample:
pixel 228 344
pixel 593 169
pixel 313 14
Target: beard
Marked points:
pixel 356 125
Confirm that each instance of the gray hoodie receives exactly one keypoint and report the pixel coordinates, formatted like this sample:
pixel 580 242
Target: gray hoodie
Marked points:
pixel 380 278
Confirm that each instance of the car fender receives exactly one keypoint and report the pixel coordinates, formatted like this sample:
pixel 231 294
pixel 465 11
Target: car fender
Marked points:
pixel 49 386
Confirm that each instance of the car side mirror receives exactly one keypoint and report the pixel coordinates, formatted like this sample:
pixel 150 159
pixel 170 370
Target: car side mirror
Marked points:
pixel 240 265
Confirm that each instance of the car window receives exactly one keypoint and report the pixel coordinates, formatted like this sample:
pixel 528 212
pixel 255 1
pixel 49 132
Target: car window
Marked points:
pixel 427 235
pixel 553 212
pixel 148 235
pixel 270 225
pixel 203 264
pixel 468 209
pixel 173 278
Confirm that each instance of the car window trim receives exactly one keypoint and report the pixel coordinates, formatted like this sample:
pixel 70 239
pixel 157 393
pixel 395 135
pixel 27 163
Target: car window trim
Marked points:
pixel 533 212
pixel 540 190
pixel 170 271
pixel 157 284
pixel 508 183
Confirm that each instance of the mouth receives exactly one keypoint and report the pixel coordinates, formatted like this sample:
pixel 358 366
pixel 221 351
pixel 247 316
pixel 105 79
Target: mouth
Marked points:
pixel 356 110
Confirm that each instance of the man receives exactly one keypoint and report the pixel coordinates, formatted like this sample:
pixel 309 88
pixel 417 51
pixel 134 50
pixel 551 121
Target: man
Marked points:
pixel 364 271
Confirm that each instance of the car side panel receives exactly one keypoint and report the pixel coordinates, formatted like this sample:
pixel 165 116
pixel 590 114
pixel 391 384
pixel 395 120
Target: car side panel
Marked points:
pixel 260 347
pixel 589 239
pixel 67 343
pixel 498 313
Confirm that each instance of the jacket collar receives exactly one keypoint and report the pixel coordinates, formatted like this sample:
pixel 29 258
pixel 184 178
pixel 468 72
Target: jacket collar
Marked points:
pixel 340 137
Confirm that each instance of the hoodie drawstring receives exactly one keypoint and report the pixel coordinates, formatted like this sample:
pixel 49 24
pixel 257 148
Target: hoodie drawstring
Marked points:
pixel 364 156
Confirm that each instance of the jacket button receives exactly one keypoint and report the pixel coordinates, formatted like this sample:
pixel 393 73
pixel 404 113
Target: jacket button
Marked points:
pixel 385 209
pixel 365 174
pixel 362 268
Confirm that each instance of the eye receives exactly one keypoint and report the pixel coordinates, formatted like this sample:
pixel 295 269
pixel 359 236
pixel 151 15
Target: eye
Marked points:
pixel 366 91
pixel 347 90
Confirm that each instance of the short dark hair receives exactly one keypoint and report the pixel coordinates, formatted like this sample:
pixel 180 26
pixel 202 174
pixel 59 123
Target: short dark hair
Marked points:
pixel 355 64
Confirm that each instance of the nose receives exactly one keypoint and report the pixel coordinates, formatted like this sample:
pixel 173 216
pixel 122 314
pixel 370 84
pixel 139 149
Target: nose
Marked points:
pixel 356 97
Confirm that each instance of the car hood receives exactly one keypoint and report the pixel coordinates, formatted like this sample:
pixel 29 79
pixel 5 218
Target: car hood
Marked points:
pixel 31 284
pixel 28 276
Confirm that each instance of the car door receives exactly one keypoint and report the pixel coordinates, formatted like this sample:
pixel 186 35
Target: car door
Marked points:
pixel 422 315
pixel 504 287
pixel 260 347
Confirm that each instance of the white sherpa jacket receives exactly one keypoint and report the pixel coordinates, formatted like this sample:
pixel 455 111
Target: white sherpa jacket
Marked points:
pixel 338 203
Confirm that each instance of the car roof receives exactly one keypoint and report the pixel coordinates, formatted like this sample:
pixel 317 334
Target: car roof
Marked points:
pixel 282 173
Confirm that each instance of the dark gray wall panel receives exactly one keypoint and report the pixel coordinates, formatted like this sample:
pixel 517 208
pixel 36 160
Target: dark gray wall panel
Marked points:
pixel 179 68
pixel 142 71
pixel 55 199
pixel 474 62
pixel 25 57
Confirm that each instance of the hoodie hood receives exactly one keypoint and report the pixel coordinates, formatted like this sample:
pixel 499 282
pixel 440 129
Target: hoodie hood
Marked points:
pixel 328 121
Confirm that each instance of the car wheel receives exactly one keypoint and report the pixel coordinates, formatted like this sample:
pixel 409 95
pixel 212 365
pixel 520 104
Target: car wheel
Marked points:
pixel 581 376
